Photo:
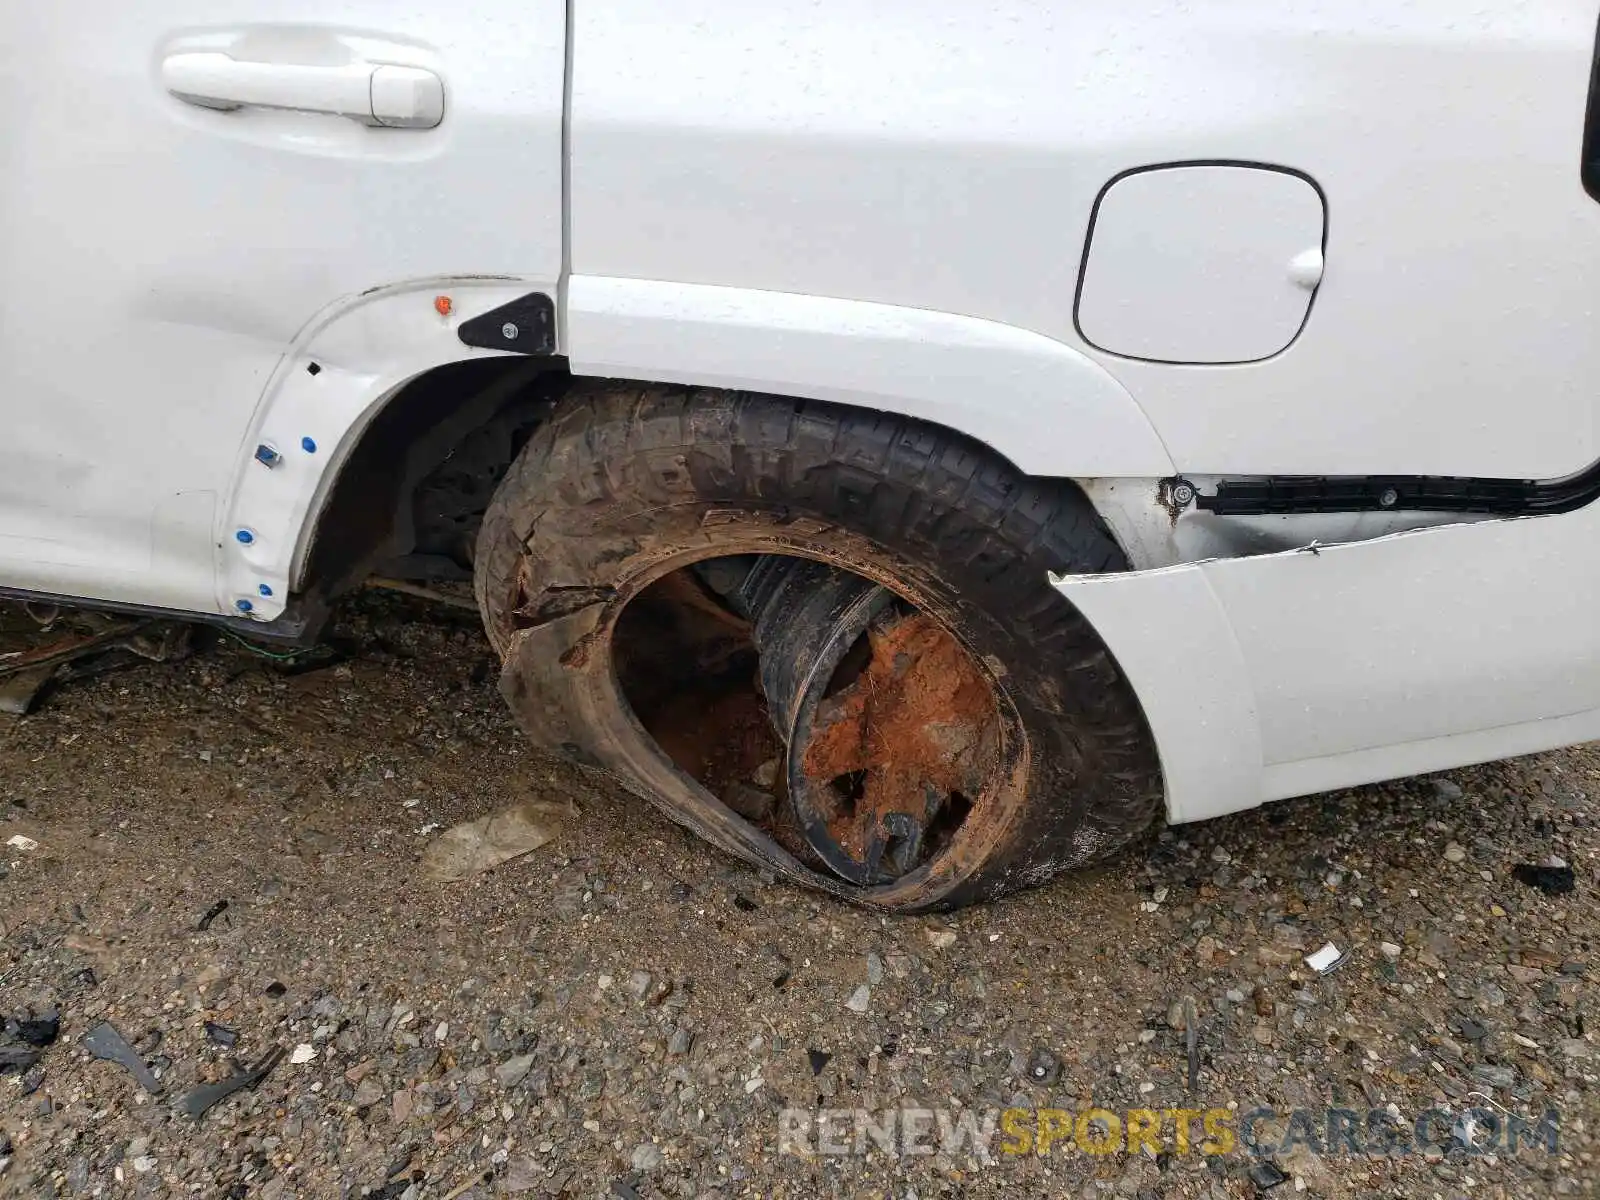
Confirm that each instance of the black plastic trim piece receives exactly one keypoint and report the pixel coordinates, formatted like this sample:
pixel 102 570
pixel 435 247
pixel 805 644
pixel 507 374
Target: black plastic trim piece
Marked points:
pixel 1589 155
pixel 524 326
pixel 1282 494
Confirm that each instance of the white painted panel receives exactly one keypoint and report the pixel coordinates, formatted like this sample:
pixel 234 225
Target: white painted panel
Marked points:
pixel 946 155
pixel 1201 264
pixel 1365 660
pixel 1046 406
pixel 160 258
pixel 1202 709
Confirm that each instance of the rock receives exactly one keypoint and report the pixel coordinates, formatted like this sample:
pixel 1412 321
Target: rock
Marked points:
pixel 1573 1047
pixel 303 1053
pixel 522 1175
pixel 646 1157
pixel 1446 790
pixel 942 939
pixel 211 980
pixel 1495 1076
pixel 681 1042
pixel 874 969
pixel 859 999
pixel 639 984
pixel 402 1105
pixel 1389 950
pixel 1454 852
pixel 369 1093
pixel 514 1070
pixel 766 774
pixel 753 804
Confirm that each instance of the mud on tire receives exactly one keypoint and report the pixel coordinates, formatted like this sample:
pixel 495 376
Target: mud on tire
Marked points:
pixel 624 485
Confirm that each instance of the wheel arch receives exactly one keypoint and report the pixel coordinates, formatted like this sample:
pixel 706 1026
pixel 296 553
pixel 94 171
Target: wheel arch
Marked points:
pixel 392 391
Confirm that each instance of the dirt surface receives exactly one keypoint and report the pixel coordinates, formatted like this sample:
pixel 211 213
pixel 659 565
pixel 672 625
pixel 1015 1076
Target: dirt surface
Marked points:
pixel 918 720
pixel 625 1012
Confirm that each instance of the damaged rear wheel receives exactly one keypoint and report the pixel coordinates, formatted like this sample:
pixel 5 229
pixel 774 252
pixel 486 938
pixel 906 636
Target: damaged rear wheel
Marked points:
pixel 823 639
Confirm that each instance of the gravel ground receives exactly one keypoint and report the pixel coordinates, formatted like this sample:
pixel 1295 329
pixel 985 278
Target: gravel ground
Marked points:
pixel 625 1012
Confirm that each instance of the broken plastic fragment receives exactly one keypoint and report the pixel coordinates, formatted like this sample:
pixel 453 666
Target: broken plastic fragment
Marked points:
pixel 1329 958
pixel 210 915
pixel 203 1097
pixel 1266 1174
pixel 1553 877
pixel 104 1042
pixel 21 842
pixel 22 1038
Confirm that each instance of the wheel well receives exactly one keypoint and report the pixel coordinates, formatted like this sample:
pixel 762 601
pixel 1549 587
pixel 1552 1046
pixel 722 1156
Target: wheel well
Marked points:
pixel 409 499
pixel 370 520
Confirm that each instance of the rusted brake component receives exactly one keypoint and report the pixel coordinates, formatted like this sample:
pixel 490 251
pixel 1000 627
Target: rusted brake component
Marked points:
pixel 891 731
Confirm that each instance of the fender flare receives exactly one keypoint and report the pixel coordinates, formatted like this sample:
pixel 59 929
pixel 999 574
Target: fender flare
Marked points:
pixel 343 366
pixel 1045 406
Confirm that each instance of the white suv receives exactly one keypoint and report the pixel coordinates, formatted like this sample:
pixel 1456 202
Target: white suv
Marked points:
pixel 914 443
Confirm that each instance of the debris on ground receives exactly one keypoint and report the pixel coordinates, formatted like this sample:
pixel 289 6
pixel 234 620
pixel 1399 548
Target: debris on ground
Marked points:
pixel 202 1098
pixel 23 1038
pixel 221 1035
pixel 475 846
pixel 210 915
pixel 104 1042
pixel 1191 1033
pixel 20 841
pixel 95 644
pixel 19 691
pixel 1553 879
pixel 1328 959
pixel 1266 1174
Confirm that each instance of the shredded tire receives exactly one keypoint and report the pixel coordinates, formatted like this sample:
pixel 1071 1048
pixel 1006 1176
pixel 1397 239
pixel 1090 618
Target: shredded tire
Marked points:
pixel 624 483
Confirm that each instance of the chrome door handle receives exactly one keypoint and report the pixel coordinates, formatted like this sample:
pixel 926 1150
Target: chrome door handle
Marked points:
pixel 372 93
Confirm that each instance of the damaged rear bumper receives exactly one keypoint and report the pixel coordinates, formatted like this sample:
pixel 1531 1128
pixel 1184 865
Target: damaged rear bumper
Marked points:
pixel 1328 666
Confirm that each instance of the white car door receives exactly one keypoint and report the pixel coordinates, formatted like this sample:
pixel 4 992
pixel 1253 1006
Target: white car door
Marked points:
pixel 185 184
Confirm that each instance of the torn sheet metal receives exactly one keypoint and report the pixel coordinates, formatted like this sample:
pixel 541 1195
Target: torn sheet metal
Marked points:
pixel 1298 672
